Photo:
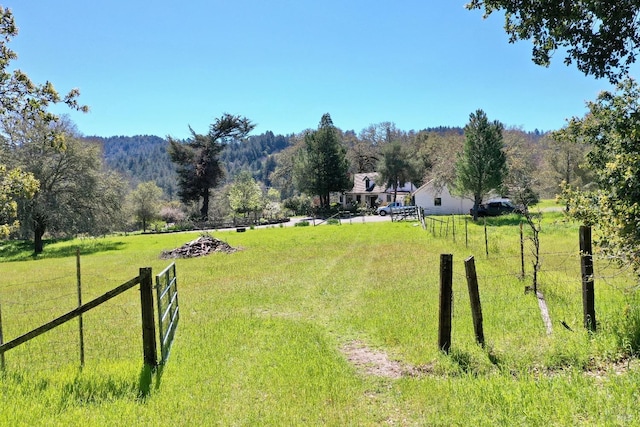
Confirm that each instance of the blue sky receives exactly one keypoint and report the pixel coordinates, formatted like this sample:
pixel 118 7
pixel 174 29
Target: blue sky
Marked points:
pixel 159 67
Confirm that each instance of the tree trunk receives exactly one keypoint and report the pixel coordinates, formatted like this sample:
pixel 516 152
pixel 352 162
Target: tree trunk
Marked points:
pixel 324 201
pixel 204 211
pixel 476 205
pixel 144 225
pixel 38 232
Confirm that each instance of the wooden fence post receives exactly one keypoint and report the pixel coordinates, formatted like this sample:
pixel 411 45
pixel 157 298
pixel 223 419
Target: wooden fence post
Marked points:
pixel 486 238
pixel 1 342
pixel 474 298
pixel 80 322
pixel 586 267
pixel 466 232
pixel 148 324
pixel 521 252
pixel 446 302
pixel 453 227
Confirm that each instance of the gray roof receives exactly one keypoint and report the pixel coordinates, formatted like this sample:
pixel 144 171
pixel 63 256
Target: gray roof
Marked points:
pixel 360 181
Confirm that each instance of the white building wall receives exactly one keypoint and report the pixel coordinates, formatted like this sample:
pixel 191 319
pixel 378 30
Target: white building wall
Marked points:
pixel 425 197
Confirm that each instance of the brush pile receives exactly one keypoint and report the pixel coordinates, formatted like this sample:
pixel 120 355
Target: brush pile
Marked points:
pixel 203 245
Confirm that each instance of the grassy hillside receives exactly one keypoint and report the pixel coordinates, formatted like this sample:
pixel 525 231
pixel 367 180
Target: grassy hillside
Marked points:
pixel 328 325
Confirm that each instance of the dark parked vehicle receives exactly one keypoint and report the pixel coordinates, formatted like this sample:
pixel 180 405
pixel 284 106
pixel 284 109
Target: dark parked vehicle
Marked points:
pixel 496 207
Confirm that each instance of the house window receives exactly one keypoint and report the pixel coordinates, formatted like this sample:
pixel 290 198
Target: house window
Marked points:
pixel 358 199
pixel 388 197
pixel 437 201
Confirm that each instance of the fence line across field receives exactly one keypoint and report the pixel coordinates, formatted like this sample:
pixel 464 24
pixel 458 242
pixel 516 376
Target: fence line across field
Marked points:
pixel 166 295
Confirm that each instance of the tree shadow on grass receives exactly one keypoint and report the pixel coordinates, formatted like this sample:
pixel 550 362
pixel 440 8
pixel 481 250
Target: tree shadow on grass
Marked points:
pixel 22 250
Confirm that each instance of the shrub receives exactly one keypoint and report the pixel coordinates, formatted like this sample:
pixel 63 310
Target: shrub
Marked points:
pixel 299 205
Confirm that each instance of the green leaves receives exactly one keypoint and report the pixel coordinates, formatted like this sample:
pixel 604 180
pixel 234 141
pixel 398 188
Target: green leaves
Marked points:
pixel 14 184
pixel 481 167
pixel 611 129
pixel 321 166
pixel 396 167
pixel 601 37
pixel 245 194
pixel 198 159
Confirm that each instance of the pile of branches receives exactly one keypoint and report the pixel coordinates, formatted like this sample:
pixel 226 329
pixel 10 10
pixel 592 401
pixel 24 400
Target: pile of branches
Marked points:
pixel 203 245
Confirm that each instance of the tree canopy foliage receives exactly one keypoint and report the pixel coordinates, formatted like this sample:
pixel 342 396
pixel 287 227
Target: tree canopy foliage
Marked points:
pixel 611 128
pixel 481 166
pixel 14 184
pixel 21 99
pixel 397 167
pixel 75 194
pixel 18 93
pixel 245 194
pixel 321 166
pixel 145 202
pixel 601 37
pixel 523 177
pixel 197 160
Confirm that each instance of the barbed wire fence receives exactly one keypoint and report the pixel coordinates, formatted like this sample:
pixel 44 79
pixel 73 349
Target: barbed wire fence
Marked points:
pixel 507 273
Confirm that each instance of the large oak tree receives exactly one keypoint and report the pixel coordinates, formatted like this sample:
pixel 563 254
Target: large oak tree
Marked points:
pixel 19 96
pixel 75 194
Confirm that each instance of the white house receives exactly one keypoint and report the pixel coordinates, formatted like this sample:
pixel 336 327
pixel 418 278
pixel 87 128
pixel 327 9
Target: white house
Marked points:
pixel 436 201
pixel 366 191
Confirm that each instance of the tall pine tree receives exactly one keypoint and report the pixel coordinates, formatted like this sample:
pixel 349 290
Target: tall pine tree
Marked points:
pixel 322 166
pixel 482 165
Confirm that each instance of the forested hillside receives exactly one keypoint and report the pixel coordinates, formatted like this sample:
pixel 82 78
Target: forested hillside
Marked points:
pixel 254 154
pixel 140 158
pixel 143 158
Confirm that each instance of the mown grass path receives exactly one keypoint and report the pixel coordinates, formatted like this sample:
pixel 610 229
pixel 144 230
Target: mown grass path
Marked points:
pixel 265 333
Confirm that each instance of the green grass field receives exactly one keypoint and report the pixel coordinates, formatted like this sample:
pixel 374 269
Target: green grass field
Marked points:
pixel 329 325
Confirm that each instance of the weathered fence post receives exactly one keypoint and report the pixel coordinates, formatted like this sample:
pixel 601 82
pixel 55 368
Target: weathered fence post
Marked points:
pixel 521 252
pixel 453 227
pixel 474 298
pixel 1 342
pixel 486 238
pixel 586 267
pixel 466 232
pixel 148 324
pixel 80 323
pixel 446 302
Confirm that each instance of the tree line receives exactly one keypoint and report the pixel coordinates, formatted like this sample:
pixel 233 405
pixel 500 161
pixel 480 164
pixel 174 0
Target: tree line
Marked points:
pixel 53 181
